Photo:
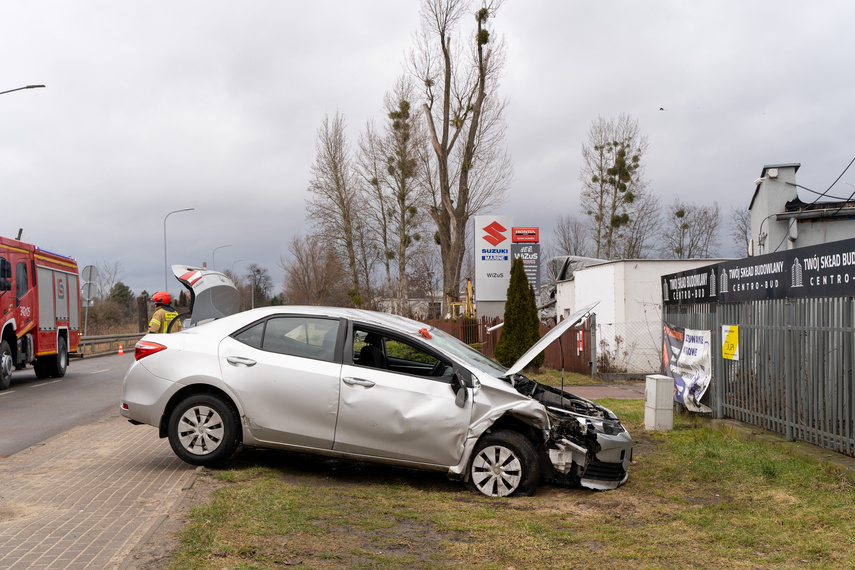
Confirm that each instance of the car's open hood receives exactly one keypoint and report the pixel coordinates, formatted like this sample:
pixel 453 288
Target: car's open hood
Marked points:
pixel 212 294
pixel 550 337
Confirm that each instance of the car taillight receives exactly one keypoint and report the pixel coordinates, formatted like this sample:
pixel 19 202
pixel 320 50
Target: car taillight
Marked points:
pixel 145 348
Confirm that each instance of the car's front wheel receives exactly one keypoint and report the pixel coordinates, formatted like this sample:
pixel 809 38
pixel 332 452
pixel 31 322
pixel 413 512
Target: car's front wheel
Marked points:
pixel 203 430
pixel 504 463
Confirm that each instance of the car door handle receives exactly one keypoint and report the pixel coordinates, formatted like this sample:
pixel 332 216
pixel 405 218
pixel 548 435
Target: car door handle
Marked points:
pixel 358 382
pixel 240 361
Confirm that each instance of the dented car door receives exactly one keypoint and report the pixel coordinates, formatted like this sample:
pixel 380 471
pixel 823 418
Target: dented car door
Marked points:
pixel 406 415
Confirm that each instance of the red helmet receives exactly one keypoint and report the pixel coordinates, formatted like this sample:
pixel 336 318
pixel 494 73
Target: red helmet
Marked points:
pixel 161 298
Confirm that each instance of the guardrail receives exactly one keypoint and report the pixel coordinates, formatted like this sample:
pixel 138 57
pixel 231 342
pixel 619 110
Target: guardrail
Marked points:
pixel 106 344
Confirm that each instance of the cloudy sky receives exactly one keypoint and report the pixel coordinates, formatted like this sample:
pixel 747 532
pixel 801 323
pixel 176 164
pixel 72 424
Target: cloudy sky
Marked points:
pixel 213 105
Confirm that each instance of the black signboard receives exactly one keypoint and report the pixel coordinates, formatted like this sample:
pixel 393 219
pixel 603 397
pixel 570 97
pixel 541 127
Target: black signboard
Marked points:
pixel 826 270
pixel 530 254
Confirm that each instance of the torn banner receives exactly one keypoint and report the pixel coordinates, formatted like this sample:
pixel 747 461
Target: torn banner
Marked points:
pixel 686 358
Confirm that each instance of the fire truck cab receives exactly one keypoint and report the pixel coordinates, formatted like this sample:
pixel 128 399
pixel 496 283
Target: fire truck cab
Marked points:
pixel 39 310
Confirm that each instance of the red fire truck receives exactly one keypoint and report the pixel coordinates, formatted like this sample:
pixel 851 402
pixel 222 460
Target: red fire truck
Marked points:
pixel 40 306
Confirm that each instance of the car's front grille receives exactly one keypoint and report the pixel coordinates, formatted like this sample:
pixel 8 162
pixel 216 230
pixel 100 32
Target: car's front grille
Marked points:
pixel 604 471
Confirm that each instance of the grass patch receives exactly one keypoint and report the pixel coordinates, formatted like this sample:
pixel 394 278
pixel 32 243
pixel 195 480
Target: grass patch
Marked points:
pixel 696 498
pixel 552 377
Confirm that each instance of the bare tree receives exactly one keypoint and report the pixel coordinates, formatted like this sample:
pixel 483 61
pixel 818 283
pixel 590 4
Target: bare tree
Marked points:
pixel 740 229
pixel 377 199
pixel 109 273
pixel 468 168
pixel 426 270
pixel 691 231
pixel 389 165
pixel 260 285
pixel 634 240
pixel 612 178
pixel 570 237
pixel 313 274
pixel 333 187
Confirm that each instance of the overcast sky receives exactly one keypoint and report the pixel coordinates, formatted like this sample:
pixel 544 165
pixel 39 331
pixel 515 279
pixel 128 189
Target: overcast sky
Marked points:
pixel 156 106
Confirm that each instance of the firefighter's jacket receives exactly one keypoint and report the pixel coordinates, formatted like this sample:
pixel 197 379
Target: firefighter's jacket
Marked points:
pixel 161 318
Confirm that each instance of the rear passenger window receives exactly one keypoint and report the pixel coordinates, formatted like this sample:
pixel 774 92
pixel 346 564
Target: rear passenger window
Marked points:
pixel 251 336
pixel 306 337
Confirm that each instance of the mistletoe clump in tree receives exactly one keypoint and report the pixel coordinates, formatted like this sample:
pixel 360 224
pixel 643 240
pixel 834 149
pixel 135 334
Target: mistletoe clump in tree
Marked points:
pixel 521 328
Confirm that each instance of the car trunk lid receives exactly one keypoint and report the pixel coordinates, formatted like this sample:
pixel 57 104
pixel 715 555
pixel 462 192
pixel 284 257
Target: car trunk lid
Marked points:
pixel 212 294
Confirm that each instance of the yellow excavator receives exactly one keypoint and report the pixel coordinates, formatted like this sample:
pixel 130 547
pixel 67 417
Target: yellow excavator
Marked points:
pixel 468 304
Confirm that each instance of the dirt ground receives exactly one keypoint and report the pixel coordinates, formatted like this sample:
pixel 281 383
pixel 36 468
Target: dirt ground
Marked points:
pixel 155 550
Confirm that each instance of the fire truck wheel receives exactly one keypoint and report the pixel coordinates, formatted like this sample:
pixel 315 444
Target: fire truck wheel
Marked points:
pixel 40 366
pixel 6 365
pixel 61 365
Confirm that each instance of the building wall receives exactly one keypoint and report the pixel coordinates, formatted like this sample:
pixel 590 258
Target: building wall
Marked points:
pixel 629 310
pixel 775 187
pixel 770 197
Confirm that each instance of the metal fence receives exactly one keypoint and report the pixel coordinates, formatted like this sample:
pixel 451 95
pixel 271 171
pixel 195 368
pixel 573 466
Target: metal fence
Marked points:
pixel 794 375
pixel 99 344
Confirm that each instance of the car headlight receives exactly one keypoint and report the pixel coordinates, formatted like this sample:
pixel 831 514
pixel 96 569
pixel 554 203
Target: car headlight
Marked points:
pixel 599 425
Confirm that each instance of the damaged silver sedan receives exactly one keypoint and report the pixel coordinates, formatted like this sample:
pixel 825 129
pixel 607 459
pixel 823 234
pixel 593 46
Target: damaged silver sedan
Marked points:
pixel 371 387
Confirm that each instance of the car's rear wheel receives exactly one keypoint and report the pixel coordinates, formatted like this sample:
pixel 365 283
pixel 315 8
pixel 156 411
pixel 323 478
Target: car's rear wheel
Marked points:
pixel 504 463
pixel 203 430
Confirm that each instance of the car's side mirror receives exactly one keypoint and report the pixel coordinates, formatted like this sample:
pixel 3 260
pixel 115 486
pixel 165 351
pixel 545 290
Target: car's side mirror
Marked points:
pixel 459 389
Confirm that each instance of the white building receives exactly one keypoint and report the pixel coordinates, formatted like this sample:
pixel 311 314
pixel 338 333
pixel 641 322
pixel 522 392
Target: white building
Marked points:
pixel 629 316
pixel 781 221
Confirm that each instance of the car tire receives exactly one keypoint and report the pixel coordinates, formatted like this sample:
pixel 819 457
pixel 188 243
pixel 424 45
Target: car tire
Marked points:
pixel 504 463
pixel 6 365
pixel 203 430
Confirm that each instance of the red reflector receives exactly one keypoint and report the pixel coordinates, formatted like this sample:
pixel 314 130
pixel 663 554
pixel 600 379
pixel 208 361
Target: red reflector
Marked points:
pixel 125 406
pixel 145 348
pixel 191 277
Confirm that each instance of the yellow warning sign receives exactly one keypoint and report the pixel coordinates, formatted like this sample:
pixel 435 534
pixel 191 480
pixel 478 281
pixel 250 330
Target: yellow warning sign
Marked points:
pixel 730 342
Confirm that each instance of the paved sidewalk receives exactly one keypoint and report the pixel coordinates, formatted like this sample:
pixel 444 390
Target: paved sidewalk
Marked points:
pixel 86 498
pixel 629 391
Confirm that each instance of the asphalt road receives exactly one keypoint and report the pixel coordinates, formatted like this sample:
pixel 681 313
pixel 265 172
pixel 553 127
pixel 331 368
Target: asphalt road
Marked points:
pixel 33 410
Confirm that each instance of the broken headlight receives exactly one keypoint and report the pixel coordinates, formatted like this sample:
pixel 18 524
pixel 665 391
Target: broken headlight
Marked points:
pixel 609 427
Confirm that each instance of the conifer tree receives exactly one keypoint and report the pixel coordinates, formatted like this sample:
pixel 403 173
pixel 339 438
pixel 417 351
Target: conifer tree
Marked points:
pixel 521 328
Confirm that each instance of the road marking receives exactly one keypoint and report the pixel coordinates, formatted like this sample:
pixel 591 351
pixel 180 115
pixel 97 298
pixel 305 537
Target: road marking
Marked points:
pixel 44 384
pixel 4 392
pixel 100 371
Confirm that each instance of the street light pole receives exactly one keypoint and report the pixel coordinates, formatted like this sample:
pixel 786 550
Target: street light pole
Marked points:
pixel 165 286
pixel 255 275
pixel 20 88
pixel 213 259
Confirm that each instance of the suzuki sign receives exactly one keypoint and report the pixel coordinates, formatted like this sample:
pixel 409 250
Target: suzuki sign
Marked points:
pixel 492 257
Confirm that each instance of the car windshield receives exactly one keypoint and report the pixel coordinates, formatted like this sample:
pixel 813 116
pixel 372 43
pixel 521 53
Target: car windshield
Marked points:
pixel 466 353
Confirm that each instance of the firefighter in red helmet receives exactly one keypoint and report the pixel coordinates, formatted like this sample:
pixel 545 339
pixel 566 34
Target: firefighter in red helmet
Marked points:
pixel 163 314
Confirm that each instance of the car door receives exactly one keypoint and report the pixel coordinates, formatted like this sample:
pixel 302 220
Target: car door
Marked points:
pixel 396 409
pixel 286 371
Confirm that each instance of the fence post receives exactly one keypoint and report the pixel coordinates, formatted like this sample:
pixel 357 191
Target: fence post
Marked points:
pixel 593 344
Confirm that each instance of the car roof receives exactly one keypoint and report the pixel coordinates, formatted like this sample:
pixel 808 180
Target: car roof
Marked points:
pixel 362 316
